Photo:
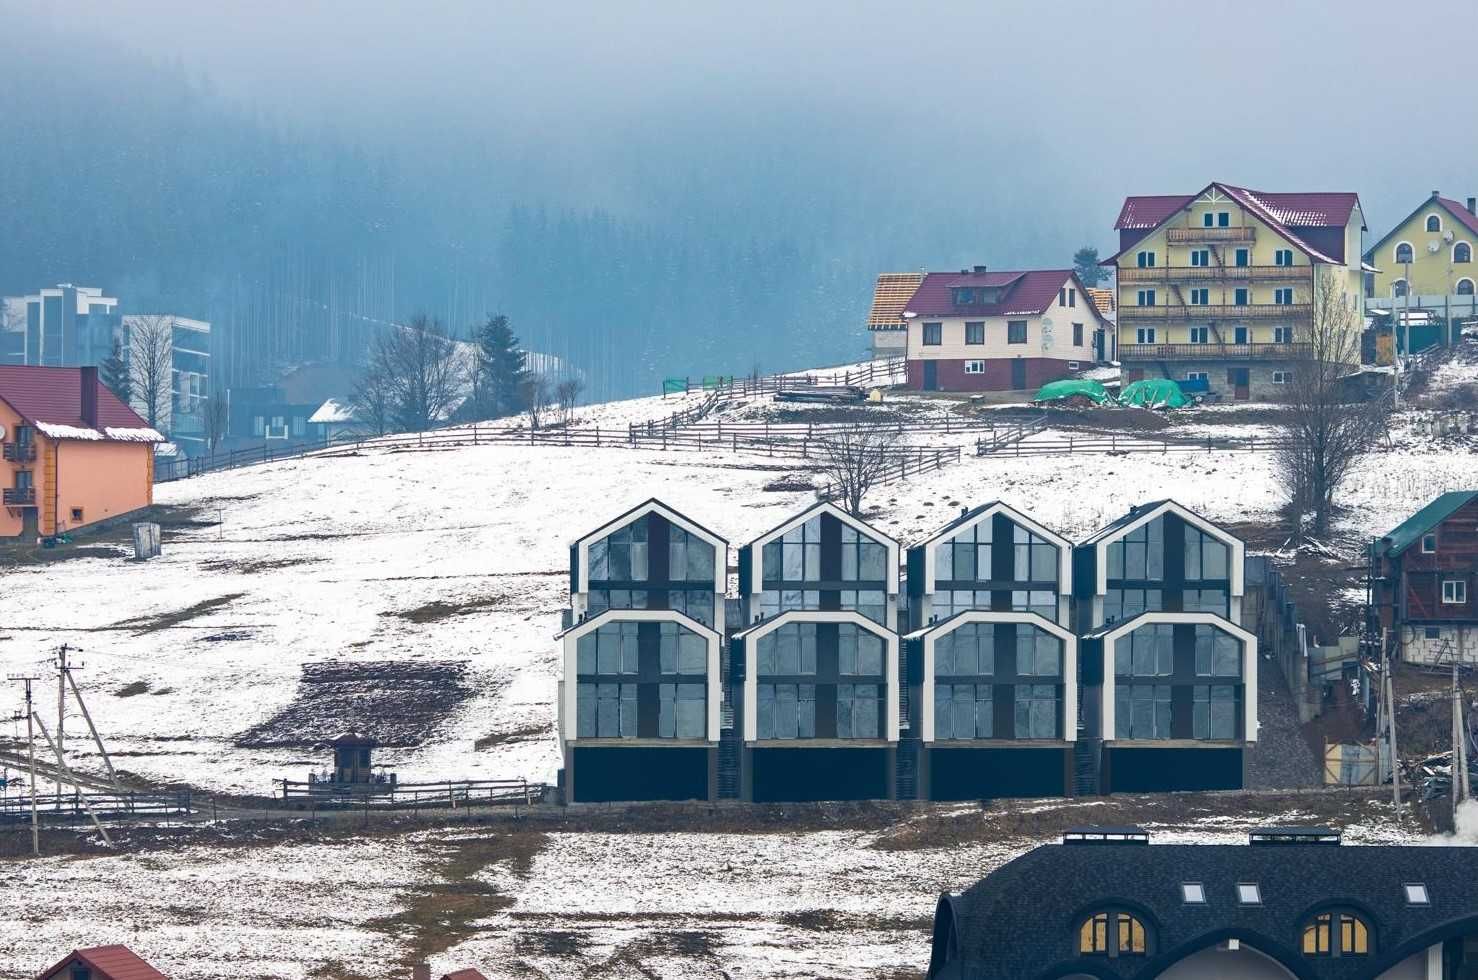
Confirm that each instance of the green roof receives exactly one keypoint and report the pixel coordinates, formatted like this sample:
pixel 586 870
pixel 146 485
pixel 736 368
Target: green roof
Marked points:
pixel 1409 532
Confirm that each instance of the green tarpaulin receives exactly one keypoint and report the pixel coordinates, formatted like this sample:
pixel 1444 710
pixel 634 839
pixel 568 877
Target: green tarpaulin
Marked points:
pixel 1072 388
pixel 1154 393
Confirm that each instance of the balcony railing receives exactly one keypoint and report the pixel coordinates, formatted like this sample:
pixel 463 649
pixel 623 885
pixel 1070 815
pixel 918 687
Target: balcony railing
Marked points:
pixel 19 496
pixel 1258 311
pixel 1211 352
pixel 1181 236
pixel 1217 273
pixel 19 452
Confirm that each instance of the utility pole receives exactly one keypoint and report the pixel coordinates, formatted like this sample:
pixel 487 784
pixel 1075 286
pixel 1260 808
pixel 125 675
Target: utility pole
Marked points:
pixel 31 751
pixel 61 707
pixel 1391 719
pixel 96 738
pixel 1460 787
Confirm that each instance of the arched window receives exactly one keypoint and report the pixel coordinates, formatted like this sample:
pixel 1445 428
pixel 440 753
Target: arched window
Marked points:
pixel 1113 934
pixel 1336 934
pixel 1465 287
pixel 1434 223
pixel 1462 252
pixel 1403 252
pixel 1398 288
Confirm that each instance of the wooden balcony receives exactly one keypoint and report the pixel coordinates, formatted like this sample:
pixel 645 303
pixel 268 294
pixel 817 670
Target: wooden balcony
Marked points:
pixel 1212 352
pixel 1188 236
pixel 19 497
pixel 1258 311
pixel 1217 273
pixel 19 452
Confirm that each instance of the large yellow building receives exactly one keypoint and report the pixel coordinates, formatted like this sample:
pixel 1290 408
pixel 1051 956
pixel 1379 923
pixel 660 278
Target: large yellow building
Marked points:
pixel 1218 288
pixel 1428 255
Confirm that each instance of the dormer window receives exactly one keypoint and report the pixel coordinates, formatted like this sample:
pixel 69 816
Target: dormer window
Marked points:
pixel 964 296
pixel 1113 934
pixel 1193 893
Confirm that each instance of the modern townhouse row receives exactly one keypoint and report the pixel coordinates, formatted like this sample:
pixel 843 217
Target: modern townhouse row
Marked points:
pixel 993 658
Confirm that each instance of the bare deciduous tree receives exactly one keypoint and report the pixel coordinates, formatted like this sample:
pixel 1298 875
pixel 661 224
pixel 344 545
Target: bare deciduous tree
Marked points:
pixel 566 393
pixel 150 353
pixel 412 378
pixel 1327 427
pixel 855 459
pixel 214 416
pixel 373 393
pixel 533 393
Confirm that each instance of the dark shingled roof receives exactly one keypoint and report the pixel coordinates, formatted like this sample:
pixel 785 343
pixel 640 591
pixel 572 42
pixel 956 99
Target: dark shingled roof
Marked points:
pixel 1024 293
pixel 1020 921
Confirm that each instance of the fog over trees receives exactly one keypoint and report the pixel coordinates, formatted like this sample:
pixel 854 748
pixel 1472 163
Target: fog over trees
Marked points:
pixel 652 191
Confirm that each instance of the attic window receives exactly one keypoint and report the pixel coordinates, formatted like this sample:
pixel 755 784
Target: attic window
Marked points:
pixel 1429 543
pixel 79 972
pixel 1416 893
pixel 1193 893
pixel 1248 893
pixel 964 297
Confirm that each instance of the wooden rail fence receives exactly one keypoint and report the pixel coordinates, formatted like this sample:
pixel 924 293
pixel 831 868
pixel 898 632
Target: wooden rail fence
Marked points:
pixel 73 807
pixel 452 794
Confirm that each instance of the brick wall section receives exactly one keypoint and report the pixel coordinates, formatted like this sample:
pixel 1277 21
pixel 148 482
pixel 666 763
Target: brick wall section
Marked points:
pixel 997 375
pixel 1259 376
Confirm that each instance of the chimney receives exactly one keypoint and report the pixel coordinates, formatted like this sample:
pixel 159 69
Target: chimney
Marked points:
pixel 1436 194
pixel 421 971
pixel 1473 205
pixel 980 270
pixel 90 397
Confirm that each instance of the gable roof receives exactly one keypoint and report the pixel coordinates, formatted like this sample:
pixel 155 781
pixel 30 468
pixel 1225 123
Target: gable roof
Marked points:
pixel 465 975
pixel 1284 213
pixel 1103 299
pixel 110 963
pixel 825 506
pixel 646 506
pixel 889 296
pixel 1008 926
pixel 1027 293
pixel 1410 531
pixel 1454 209
pixel 50 400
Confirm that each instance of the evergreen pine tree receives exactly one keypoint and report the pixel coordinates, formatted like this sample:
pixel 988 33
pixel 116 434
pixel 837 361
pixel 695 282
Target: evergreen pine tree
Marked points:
pixel 114 373
pixel 501 369
pixel 1085 263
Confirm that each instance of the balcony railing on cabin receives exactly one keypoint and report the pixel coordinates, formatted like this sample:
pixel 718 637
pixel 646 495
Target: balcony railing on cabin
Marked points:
pixel 1252 311
pixel 19 452
pixel 1179 236
pixel 1214 352
pixel 1216 273
pixel 19 497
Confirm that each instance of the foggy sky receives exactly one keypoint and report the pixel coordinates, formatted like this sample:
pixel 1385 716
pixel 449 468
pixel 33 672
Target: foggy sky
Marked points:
pixel 932 104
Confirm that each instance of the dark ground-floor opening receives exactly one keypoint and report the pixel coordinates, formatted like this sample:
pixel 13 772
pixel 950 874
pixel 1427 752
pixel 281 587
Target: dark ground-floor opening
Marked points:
pixel 983 774
pixel 803 775
pixel 1171 769
pixel 609 774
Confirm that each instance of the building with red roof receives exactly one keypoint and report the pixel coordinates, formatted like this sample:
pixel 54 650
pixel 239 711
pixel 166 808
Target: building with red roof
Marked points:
pixel 981 330
pixel 71 453
pixel 1219 289
pixel 102 963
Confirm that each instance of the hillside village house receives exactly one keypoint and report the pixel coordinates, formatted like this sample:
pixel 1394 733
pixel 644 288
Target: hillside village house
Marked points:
pixel 73 454
pixel 102 963
pixel 1424 582
pixel 1293 902
pixel 885 323
pixel 978 330
pixel 1427 259
pixel 1217 288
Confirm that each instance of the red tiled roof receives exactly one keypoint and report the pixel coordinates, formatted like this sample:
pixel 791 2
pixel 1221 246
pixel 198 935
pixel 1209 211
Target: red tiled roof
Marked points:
pixel 53 396
pixel 1461 213
pixel 465 975
pixel 1027 293
pixel 110 963
pixel 1147 211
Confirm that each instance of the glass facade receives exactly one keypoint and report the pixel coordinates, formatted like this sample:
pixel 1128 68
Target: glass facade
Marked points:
pixel 641 680
pixel 825 564
pixel 1181 681
pixel 652 563
pixel 820 680
pixel 995 564
pixel 998 680
pixel 1166 564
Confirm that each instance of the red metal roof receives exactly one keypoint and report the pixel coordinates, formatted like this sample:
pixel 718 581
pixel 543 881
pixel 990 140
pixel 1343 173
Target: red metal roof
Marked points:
pixel 109 963
pixel 1026 293
pixel 1461 213
pixel 465 975
pixel 53 395
pixel 1147 211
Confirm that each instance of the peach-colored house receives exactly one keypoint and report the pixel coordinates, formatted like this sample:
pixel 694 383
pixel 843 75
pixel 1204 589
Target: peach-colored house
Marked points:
pixel 71 453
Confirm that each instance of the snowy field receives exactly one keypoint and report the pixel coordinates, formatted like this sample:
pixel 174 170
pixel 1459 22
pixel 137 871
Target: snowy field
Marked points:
pixel 460 555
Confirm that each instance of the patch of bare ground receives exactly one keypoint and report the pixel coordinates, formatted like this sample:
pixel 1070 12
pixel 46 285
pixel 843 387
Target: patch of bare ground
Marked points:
pixel 443 913
pixel 437 610
pixel 1006 821
pixel 526 734
pixel 252 567
pixel 132 690
pixel 162 621
pixel 830 920
pixel 334 970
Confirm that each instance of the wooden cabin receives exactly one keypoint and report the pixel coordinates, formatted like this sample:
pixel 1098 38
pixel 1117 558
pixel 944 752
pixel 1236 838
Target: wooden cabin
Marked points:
pixel 1423 580
pixel 102 963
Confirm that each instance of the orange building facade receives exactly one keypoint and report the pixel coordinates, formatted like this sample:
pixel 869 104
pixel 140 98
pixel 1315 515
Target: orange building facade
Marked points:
pixel 71 453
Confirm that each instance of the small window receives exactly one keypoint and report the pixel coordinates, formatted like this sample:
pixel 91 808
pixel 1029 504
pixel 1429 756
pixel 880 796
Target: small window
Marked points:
pixel 933 334
pixel 1146 260
pixel 1016 331
pixel 1200 297
pixel 1200 257
pixel 1113 934
pixel 1077 335
pixel 1434 223
pixel 974 367
pixel 76 515
pixel 1429 544
pixel 1146 297
pixel 975 333
pixel 1248 893
pixel 1416 893
pixel 1072 297
pixel 79 972
pixel 1195 376
pixel 1336 934
pixel 1200 335
pixel 1192 893
pixel 1208 220
pixel 1223 219
pixel 1283 297
pixel 1283 256
pixel 1241 296
pixel 1433 633
pixel 1403 252
pixel 1462 252
pixel 1398 288
pixel 1244 257
pixel 1282 335
pixel 964 297
pixel 1072 365
pixel 1455 592
pixel 1282 377
pixel 1145 335
pixel 1465 287
pixel 258 425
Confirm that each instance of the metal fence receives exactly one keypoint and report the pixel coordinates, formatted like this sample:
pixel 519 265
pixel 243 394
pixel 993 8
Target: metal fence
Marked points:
pixel 73 807
pixel 411 796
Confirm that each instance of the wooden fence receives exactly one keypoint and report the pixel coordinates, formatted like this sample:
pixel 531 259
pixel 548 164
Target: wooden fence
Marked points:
pixel 73 807
pixel 1128 444
pixel 880 372
pixel 901 468
pixel 452 794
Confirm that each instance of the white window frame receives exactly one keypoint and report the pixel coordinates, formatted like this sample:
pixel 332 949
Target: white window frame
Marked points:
pixel 1282 335
pixel 974 367
pixel 1280 254
pixel 1145 259
pixel 1140 297
pixel 1432 537
pixel 1427 220
pixel 1416 893
pixel 1249 893
pixel 1457 287
pixel 1072 365
pixel 1455 245
pixel 1396 252
pixel 1457 588
pixel 1146 335
pixel 1200 296
pixel 1197 376
pixel 1282 377
pixel 1200 335
pixel 1281 292
pixel 1200 258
